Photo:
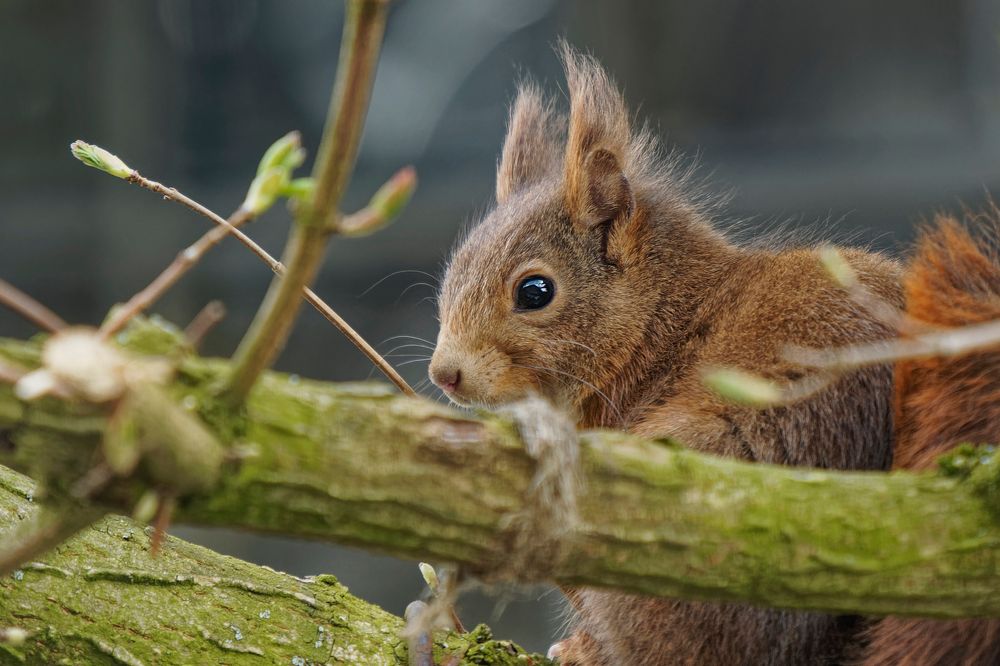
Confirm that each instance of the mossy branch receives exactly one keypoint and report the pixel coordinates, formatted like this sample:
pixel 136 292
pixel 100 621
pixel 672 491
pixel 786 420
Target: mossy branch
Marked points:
pixel 102 598
pixel 356 464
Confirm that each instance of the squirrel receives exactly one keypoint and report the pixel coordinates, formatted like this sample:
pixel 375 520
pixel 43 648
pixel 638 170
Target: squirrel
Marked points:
pixel 953 279
pixel 600 284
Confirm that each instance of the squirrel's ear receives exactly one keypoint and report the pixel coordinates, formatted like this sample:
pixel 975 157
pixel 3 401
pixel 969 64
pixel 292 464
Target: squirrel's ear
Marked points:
pixel 531 148
pixel 597 190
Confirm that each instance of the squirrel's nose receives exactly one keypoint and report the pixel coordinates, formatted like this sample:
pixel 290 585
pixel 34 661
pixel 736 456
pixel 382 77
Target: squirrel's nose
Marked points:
pixel 447 377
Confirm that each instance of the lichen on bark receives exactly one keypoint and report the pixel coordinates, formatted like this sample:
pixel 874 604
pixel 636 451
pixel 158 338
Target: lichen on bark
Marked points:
pixel 102 598
pixel 357 464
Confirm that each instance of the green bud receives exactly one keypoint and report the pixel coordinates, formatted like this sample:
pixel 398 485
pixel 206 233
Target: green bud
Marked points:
pixel 385 206
pixel 264 189
pixel 97 157
pixel 430 577
pixel 742 387
pixel 390 199
pixel 285 153
pixel 300 189
pixel 838 268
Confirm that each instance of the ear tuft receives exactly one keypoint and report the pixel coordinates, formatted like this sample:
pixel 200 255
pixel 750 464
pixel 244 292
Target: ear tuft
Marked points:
pixel 598 142
pixel 531 148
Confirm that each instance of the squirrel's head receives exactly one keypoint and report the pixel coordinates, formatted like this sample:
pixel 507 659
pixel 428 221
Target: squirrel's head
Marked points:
pixel 547 291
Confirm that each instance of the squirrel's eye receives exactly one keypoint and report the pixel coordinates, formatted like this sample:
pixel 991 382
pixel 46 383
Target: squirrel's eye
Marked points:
pixel 534 292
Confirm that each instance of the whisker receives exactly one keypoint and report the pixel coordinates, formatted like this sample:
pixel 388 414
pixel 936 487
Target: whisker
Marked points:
pixel 410 337
pixel 416 284
pixel 621 419
pixel 412 344
pixel 393 274
pixel 436 394
pixel 416 360
pixel 423 356
pixel 574 342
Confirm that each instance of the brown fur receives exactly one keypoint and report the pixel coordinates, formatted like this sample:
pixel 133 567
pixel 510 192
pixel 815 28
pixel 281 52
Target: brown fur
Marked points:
pixel 647 294
pixel 953 280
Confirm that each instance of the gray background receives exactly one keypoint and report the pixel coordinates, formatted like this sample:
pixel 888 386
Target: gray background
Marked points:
pixel 855 117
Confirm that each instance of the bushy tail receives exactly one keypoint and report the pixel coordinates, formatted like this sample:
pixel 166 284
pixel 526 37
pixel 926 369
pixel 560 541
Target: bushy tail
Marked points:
pixel 952 280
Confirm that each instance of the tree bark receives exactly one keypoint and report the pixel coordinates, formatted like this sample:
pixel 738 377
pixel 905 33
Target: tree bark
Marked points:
pixel 102 598
pixel 357 464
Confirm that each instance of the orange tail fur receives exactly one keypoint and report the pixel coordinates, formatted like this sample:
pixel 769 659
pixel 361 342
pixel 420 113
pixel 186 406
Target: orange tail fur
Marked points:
pixel 952 280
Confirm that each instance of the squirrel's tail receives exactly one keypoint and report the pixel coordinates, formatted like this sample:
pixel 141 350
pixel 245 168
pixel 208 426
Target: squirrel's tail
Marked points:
pixel 952 280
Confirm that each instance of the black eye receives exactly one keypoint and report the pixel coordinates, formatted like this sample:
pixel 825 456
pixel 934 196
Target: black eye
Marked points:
pixel 534 292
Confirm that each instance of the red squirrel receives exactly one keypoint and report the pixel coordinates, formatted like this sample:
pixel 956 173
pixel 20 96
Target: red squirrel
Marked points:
pixel 952 280
pixel 600 283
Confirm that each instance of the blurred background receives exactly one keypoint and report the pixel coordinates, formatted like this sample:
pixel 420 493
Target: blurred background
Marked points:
pixel 855 117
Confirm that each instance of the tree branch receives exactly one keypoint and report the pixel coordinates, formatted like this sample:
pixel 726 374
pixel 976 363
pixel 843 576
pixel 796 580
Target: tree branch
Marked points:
pixel 355 464
pixel 103 598
pixel 363 29
pixel 29 308
pixel 182 263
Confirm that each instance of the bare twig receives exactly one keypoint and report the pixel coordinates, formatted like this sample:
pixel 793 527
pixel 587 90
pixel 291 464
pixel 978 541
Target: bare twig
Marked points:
pixel 420 643
pixel 363 29
pixel 749 389
pixel 184 261
pixel 445 595
pixel 29 308
pixel 175 195
pixel 885 312
pixel 832 363
pixel 277 267
pixel 206 319
pixel 921 340
pixel 93 482
pixel 161 521
pixel 951 342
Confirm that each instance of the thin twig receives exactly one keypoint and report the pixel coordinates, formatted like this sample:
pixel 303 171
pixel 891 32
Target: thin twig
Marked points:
pixel 831 364
pixel 184 261
pixel 278 268
pixel 175 195
pixel 420 643
pixel 29 308
pixel 161 521
pixel 93 482
pixel 842 272
pixel 952 342
pixel 359 50
pixel 359 342
pixel 206 319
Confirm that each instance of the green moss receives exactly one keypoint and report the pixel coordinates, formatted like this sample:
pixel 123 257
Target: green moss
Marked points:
pixel 479 648
pixel 963 459
pixel 359 465
pixel 102 598
pixel 152 336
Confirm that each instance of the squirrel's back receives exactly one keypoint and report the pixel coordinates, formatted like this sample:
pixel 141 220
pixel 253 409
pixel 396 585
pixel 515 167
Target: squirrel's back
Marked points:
pixel 952 280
